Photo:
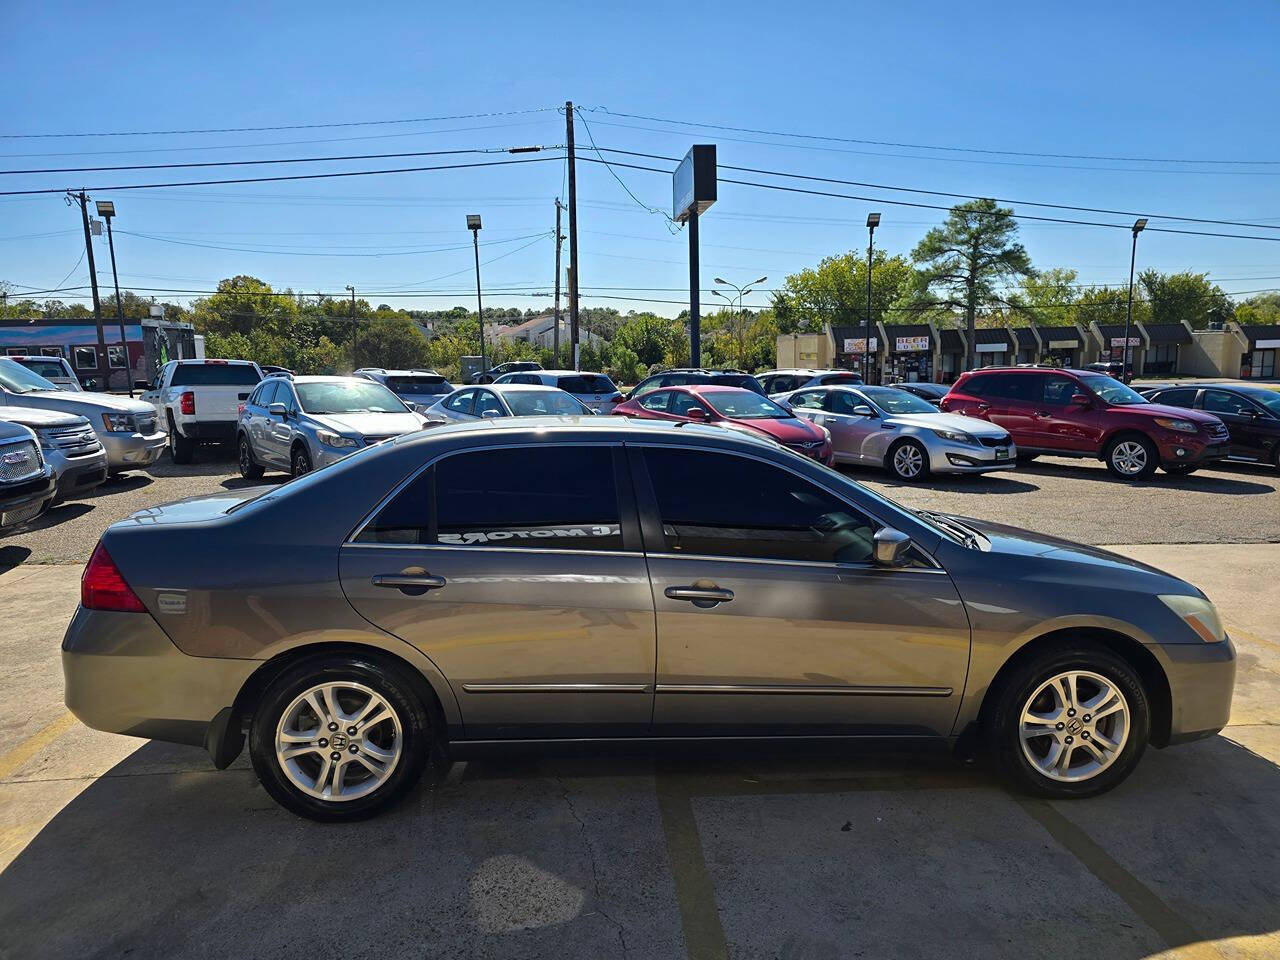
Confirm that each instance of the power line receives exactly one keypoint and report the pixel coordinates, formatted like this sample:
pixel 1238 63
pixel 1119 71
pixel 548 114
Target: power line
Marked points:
pixel 249 163
pixel 298 176
pixel 320 253
pixel 291 126
pixel 621 183
pixel 939 147
pixel 964 196
pixel 934 206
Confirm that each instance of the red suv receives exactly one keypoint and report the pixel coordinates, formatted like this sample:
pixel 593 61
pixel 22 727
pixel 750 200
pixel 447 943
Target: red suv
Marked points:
pixel 1075 413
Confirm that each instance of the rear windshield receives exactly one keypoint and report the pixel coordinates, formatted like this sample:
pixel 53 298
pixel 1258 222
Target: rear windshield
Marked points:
pixel 587 383
pixel 214 375
pixel 743 380
pixel 422 386
pixel 45 368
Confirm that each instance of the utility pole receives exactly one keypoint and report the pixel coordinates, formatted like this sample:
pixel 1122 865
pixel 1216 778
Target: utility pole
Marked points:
pixel 93 285
pixel 103 209
pixel 555 350
pixel 355 336
pixel 573 235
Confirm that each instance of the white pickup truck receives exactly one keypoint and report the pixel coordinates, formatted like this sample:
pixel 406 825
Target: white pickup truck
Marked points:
pixel 199 401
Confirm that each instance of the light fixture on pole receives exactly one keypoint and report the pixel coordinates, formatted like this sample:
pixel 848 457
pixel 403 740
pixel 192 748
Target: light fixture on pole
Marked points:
pixel 873 221
pixel 473 224
pixel 742 292
pixel 1138 226
pixel 107 210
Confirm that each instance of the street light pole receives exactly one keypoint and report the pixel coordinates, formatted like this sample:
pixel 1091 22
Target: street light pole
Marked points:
pixel 1138 226
pixel 473 224
pixel 873 221
pixel 355 333
pixel 737 316
pixel 107 210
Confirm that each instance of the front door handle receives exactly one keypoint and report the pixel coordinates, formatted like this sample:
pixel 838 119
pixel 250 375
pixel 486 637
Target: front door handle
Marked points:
pixel 699 596
pixel 1042 414
pixel 412 585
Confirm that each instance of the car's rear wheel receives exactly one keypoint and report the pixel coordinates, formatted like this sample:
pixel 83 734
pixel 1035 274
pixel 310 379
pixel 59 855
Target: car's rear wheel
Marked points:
pixel 1070 722
pixel 339 738
pixel 249 468
pixel 908 460
pixel 1132 457
pixel 181 449
pixel 300 461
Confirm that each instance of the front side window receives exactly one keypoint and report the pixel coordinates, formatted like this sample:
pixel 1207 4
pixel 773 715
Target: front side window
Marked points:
pixel 1059 390
pixel 1112 391
pixel 807 400
pixel 487 403
pixel 682 403
pixel 554 497
pixel 722 505
pixel 658 401
pixel 1219 401
pixel 461 401
pixel 1176 398
pixel 844 402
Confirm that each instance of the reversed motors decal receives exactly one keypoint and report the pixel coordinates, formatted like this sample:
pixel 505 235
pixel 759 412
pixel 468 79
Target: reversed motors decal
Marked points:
pixel 531 533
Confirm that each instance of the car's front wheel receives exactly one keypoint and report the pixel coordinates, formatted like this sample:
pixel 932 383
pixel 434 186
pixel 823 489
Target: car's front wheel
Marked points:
pixel 300 461
pixel 1132 457
pixel 908 460
pixel 339 738
pixel 1071 722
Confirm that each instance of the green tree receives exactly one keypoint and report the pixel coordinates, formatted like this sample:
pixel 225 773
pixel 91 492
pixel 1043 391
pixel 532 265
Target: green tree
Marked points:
pixel 1186 296
pixel 835 292
pixel 964 261
pixel 1259 310
pixel 648 336
pixel 1049 297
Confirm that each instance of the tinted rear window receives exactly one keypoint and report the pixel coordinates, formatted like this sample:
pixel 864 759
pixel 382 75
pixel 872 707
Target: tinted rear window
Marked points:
pixel 214 375
pixel 588 383
pixel 424 386
pixel 45 368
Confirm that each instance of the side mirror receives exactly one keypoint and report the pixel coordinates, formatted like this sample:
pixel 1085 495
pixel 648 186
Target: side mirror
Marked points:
pixel 413 407
pixel 696 413
pixel 277 409
pixel 890 547
pixel 490 414
pixel 1081 400
pixel 862 410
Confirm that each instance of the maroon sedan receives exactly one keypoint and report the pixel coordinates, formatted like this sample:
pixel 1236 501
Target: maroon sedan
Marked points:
pixel 735 408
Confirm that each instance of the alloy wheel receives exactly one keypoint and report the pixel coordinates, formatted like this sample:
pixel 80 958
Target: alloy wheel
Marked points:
pixel 301 463
pixel 1074 726
pixel 246 461
pixel 1129 457
pixel 339 741
pixel 908 461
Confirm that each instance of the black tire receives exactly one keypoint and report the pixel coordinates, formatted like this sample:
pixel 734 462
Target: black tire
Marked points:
pixel 891 461
pixel 1121 449
pixel 181 449
pixel 250 469
pixel 1004 721
pixel 1275 457
pixel 412 715
pixel 299 461
pixel 1028 457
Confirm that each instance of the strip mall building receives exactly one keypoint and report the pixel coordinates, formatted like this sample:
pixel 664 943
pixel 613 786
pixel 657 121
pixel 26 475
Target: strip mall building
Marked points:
pixel 927 352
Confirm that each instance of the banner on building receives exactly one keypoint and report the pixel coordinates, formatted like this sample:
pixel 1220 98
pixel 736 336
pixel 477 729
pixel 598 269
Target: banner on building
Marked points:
pixel 911 344
pixel 859 345
pixel 1118 342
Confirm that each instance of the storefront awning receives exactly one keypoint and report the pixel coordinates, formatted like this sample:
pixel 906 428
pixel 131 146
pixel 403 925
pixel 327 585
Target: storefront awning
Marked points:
pixel 1166 333
pixel 1262 338
pixel 1060 338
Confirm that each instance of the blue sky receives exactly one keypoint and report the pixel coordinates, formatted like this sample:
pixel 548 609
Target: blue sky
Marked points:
pixel 1159 80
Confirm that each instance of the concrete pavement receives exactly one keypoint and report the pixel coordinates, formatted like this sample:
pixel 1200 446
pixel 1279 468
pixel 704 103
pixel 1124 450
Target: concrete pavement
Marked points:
pixel 111 846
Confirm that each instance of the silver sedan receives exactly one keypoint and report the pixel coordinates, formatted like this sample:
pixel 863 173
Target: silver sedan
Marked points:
pixel 890 428
pixel 505 400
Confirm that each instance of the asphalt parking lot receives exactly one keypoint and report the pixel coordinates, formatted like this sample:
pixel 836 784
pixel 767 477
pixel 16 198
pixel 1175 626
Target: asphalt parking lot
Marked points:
pixel 113 847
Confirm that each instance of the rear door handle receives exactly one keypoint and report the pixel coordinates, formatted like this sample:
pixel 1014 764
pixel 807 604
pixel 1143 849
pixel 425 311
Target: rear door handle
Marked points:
pixel 699 596
pixel 414 586
pixel 1043 414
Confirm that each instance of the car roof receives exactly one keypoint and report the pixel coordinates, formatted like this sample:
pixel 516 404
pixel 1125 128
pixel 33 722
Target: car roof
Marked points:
pixel 212 360
pixel 701 388
pixel 513 387
pixel 985 370
pixel 320 378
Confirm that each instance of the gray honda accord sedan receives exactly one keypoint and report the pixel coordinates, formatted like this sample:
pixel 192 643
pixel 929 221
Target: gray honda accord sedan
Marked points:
pixel 519 583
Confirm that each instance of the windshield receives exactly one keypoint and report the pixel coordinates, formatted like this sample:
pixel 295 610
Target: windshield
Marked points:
pixel 214 375
pixel 893 400
pixel 353 396
pixel 539 403
pixel 1113 392
pixel 18 379
pixel 744 405
pixel 420 386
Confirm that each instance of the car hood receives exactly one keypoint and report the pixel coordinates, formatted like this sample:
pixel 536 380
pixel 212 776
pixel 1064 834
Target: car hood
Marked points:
pixel 946 421
pixel 36 417
pixel 1014 541
pixel 84 402
pixel 1160 410
pixel 369 424
pixel 791 430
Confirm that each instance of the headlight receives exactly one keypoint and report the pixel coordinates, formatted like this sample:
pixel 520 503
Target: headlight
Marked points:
pixel 1182 426
pixel 118 422
pixel 956 436
pixel 335 439
pixel 1199 614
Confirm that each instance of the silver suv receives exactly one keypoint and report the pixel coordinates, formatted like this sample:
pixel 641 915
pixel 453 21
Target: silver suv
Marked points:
pixel 299 424
pixel 69 446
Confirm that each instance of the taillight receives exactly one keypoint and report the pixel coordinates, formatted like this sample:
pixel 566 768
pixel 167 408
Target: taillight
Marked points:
pixel 188 404
pixel 944 404
pixel 103 588
pixel 240 409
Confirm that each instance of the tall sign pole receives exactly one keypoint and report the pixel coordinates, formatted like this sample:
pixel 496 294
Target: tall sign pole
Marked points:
pixel 81 199
pixel 555 335
pixel 573 235
pixel 693 191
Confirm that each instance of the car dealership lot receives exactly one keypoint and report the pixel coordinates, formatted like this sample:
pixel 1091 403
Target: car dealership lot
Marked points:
pixel 114 846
